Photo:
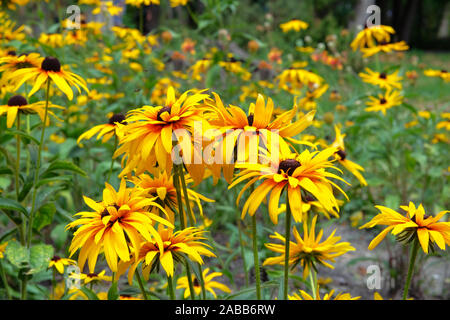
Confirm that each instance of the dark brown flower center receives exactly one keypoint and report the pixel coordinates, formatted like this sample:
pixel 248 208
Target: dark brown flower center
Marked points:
pixel 288 166
pixel 56 258
pixel 51 64
pixel 92 275
pixel 118 117
pixel 383 75
pixel 161 111
pixel 250 119
pixel 444 71
pixel 17 101
pixel 341 154
pixel 11 53
pixel 196 283
pixel 383 101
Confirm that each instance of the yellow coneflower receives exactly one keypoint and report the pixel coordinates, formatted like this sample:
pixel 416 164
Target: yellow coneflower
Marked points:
pixel 328 296
pixel 366 37
pixel 199 68
pixel 105 131
pixel 50 69
pixel 176 3
pixel 389 99
pixel 443 74
pixel 91 277
pixel 59 263
pixel 139 3
pixel 308 251
pixel 210 285
pixel 298 78
pixel 162 189
pixel 18 104
pixel 147 137
pixel 383 80
pixel 152 254
pixel 445 123
pixel 384 47
pixel 257 126
pixel 341 156
pixel 294 24
pixel 120 212
pixel 415 224
pixel 12 62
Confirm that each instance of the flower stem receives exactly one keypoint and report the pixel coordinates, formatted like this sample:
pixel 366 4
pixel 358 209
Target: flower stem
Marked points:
pixel 241 244
pixel 53 284
pixel 112 158
pixel 141 285
pixel 286 248
pixel 256 259
pixel 186 195
pixel 178 171
pixel 313 283
pixel 23 228
pixel 412 260
pixel 38 166
pixel 5 281
pixel 170 287
pixel 202 281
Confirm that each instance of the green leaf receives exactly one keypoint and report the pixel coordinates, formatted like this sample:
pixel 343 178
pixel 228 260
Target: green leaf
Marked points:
pixel 44 216
pixel 113 292
pixel 59 235
pixel 17 254
pixel 40 256
pixel 5 170
pixel 63 165
pixel 21 134
pixel 410 107
pixel 9 204
pixel 89 293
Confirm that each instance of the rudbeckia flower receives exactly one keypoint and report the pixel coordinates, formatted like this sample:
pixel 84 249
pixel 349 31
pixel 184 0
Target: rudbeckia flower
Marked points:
pixel 147 137
pixel 210 285
pixel 294 24
pixel 341 156
pixel 161 188
pixel 139 3
pixel 384 47
pixel 308 251
pixel 120 213
pixel 91 277
pixel 11 63
pixel 302 295
pixel 298 78
pixel 59 263
pixel 382 80
pixel 414 224
pixel 443 74
pixel 49 69
pixel 296 173
pixel 106 130
pixel 18 104
pixel 367 36
pixel 258 127
pixel 174 245
pixel 445 123
pixel 389 99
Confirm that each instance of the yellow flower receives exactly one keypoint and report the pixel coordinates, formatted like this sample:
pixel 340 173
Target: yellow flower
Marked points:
pixel 296 173
pixel 210 285
pixel 367 36
pixel 12 62
pixel 308 251
pixel 384 101
pixel 328 296
pixel 120 212
pixel 2 249
pixel 294 24
pixel 18 104
pixel 176 3
pixel 383 80
pixel 414 224
pixel 50 69
pixel 174 244
pixel 298 78
pixel 445 123
pixel 91 277
pixel 341 156
pixel 106 131
pixel 139 3
pixel 59 263
pixel 385 47
pixel 147 137
pixel 443 74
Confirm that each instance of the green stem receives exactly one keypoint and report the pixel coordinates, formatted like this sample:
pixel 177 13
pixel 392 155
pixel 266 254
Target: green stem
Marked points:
pixel 202 281
pixel 53 283
pixel 4 280
pixel 170 287
pixel 176 183
pixel 313 283
pixel 286 247
pixel 112 158
pixel 256 258
pixel 22 229
pixel 242 247
pixel 190 214
pixel 38 166
pixel 412 260
pixel 141 285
